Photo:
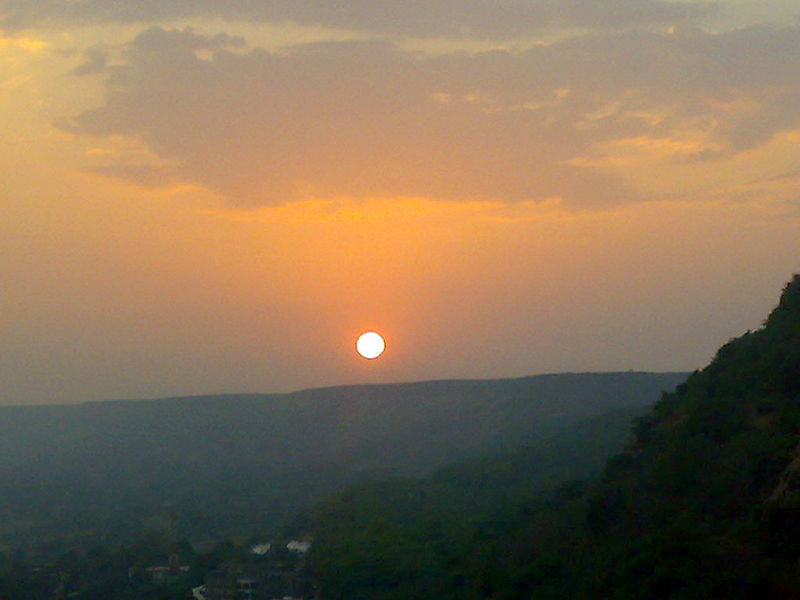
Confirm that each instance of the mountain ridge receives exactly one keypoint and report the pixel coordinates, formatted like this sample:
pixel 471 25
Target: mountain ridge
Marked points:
pixel 345 387
pixel 702 502
pixel 273 454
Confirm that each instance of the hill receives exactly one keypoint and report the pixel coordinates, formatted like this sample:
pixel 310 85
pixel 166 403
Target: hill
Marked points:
pixel 402 537
pixel 222 465
pixel 703 502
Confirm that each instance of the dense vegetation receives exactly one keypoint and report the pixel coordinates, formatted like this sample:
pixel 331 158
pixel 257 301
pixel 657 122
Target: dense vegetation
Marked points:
pixel 394 534
pixel 72 477
pixel 103 567
pixel 704 502
pixel 113 571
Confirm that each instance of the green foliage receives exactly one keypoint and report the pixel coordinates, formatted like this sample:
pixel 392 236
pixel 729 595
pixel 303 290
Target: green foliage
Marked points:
pixel 114 571
pixel 231 465
pixel 436 537
pixel 704 502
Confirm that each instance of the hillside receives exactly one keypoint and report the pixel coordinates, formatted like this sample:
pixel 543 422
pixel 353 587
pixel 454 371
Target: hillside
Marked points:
pixel 224 465
pixel 709 480
pixel 392 537
pixel 703 502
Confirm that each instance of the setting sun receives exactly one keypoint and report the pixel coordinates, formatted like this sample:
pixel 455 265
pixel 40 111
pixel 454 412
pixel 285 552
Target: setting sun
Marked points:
pixel 370 345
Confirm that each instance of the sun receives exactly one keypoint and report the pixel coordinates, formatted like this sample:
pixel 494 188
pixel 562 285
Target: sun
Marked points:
pixel 370 345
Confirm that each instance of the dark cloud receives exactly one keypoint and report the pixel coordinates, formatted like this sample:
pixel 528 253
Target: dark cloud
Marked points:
pixel 96 61
pixel 367 119
pixel 479 18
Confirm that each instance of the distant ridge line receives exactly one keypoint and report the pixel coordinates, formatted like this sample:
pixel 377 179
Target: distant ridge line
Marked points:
pixel 351 386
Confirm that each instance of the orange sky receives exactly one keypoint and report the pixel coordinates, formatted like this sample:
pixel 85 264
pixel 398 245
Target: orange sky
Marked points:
pixel 196 202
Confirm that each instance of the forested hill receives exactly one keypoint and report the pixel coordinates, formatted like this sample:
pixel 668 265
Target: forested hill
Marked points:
pixel 238 463
pixel 704 502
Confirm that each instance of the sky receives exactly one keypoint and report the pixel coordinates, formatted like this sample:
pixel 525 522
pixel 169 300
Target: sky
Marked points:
pixel 204 197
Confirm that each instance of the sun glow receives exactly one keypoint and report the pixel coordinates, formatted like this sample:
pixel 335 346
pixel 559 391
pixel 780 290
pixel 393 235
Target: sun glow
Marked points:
pixel 370 345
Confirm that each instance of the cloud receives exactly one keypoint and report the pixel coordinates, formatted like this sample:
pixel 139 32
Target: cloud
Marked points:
pixel 478 18
pixel 366 119
pixel 152 176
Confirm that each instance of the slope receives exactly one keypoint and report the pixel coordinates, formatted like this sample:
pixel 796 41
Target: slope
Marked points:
pixel 703 502
pixel 233 464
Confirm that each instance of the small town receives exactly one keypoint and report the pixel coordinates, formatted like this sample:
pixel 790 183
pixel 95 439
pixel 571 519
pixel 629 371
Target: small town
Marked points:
pixel 264 574
pixel 217 571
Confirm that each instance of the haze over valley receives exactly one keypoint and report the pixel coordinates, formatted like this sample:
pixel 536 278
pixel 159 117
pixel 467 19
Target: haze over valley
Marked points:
pixel 386 300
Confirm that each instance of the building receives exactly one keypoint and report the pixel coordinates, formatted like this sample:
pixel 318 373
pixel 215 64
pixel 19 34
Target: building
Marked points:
pixel 256 580
pixel 170 573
